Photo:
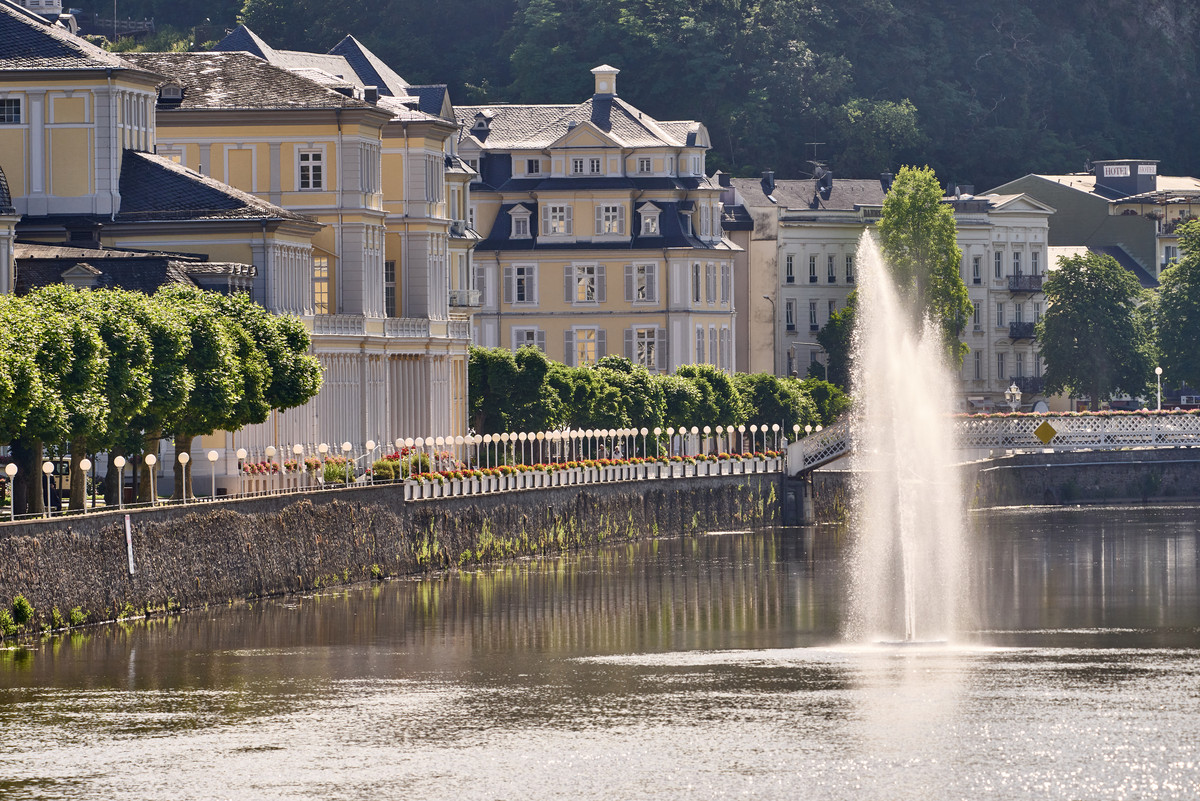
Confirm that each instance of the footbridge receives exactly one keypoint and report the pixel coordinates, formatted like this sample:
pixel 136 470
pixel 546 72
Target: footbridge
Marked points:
pixel 980 435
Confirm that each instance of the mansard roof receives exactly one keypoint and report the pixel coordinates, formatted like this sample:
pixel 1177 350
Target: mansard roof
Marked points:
pixel 30 42
pixel 240 81
pixel 6 206
pixel 40 265
pixel 540 126
pixel 154 188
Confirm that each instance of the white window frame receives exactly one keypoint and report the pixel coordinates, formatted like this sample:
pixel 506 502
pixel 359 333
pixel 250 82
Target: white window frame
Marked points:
pixel 310 167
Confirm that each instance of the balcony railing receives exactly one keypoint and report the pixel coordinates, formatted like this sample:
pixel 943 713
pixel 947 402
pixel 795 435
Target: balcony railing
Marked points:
pixel 468 298
pixel 1025 283
pixel 1021 330
pixel 1029 385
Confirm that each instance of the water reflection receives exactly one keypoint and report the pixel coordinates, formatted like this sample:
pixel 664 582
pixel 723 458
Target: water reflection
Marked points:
pixel 698 668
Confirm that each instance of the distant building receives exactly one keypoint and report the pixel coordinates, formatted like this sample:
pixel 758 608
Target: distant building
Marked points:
pixel 1120 207
pixel 602 233
pixel 800 239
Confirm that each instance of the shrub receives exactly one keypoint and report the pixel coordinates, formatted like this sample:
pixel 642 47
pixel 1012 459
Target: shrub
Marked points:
pixel 22 611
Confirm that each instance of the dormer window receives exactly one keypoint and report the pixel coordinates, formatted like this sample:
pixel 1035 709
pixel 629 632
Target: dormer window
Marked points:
pixel 520 222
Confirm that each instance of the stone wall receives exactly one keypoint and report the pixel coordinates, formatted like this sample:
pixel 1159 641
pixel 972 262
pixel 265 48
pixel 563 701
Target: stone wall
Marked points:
pixel 213 553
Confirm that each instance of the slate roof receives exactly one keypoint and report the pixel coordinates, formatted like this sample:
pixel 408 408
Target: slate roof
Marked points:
pixel 370 68
pixel 156 188
pixel 537 127
pixel 1147 280
pixel 6 206
pixel 30 42
pixel 240 81
pixel 845 194
pixel 144 271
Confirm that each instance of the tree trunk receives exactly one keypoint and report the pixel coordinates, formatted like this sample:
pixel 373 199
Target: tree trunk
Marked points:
pixel 113 480
pixel 183 473
pixel 78 477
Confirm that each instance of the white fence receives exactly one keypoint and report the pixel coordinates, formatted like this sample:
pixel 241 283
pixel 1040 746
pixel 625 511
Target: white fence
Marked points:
pixel 1020 432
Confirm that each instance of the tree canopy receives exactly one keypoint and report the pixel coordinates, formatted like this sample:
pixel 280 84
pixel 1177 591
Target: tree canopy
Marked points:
pixel 918 236
pixel 982 92
pixel 1095 335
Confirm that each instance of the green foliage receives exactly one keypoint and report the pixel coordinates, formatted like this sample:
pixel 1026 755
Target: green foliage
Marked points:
pixel 1095 336
pixel 22 610
pixel 837 338
pixel 918 235
pixel 1178 311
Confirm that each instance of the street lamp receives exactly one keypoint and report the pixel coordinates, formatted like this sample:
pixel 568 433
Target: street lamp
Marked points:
pixel 184 458
pixel 1158 379
pixel 152 460
pixel 212 472
pixel 10 470
pixel 47 469
pixel 1012 396
pixel 774 335
pixel 119 463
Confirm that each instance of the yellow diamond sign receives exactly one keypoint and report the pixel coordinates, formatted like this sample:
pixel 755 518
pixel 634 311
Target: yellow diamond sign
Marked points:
pixel 1045 432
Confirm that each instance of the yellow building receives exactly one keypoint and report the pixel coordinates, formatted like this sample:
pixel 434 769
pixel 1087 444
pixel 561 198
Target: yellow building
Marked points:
pixel 602 233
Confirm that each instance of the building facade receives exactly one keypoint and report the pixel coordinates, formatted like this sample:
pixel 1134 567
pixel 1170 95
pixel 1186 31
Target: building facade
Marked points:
pixel 802 240
pixel 601 233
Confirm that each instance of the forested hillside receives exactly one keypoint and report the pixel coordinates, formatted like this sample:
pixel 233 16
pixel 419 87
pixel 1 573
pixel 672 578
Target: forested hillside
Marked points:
pixel 982 90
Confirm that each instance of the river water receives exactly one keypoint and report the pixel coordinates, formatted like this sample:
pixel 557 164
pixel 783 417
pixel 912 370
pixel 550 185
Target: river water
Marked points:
pixel 710 667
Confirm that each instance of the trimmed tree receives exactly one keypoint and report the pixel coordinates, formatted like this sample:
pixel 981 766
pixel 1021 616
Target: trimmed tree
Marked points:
pixel 1094 336
pixel 918 236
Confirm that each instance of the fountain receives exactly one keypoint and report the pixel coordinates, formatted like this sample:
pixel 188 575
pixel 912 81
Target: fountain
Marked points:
pixel 907 565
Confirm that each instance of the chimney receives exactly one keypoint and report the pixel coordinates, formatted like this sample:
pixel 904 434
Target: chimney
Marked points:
pixel 885 181
pixel 606 80
pixel 768 182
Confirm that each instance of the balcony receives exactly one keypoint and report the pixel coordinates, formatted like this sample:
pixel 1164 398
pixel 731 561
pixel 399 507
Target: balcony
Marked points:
pixel 1025 283
pixel 1030 385
pixel 465 298
pixel 1021 330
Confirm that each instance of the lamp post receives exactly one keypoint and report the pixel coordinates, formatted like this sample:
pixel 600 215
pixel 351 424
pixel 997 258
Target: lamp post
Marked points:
pixel 1012 396
pixel 184 458
pixel 774 336
pixel 85 464
pixel 241 455
pixel 152 460
pixel 119 463
pixel 1158 380
pixel 47 469
pixel 298 452
pixel 10 470
pixel 212 473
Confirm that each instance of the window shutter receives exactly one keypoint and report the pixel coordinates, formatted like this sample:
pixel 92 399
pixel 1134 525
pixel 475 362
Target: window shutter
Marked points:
pixel 601 284
pixel 569 348
pixel 570 222
pixel 660 350
pixel 629 344
pixel 569 283
pixel 508 284
pixel 620 219
pixel 652 283
pixel 601 344
pixel 599 220
pixel 540 339
pixel 629 288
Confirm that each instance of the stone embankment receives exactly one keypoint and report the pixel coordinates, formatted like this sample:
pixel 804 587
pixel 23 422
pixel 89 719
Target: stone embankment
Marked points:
pixel 214 553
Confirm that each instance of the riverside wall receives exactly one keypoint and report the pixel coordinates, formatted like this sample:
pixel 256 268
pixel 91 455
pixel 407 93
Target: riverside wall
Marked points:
pixel 191 556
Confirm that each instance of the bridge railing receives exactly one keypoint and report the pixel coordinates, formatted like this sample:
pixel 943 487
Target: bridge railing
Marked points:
pixel 1026 432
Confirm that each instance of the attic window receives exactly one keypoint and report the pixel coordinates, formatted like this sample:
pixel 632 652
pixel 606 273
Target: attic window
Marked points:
pixel 171 91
